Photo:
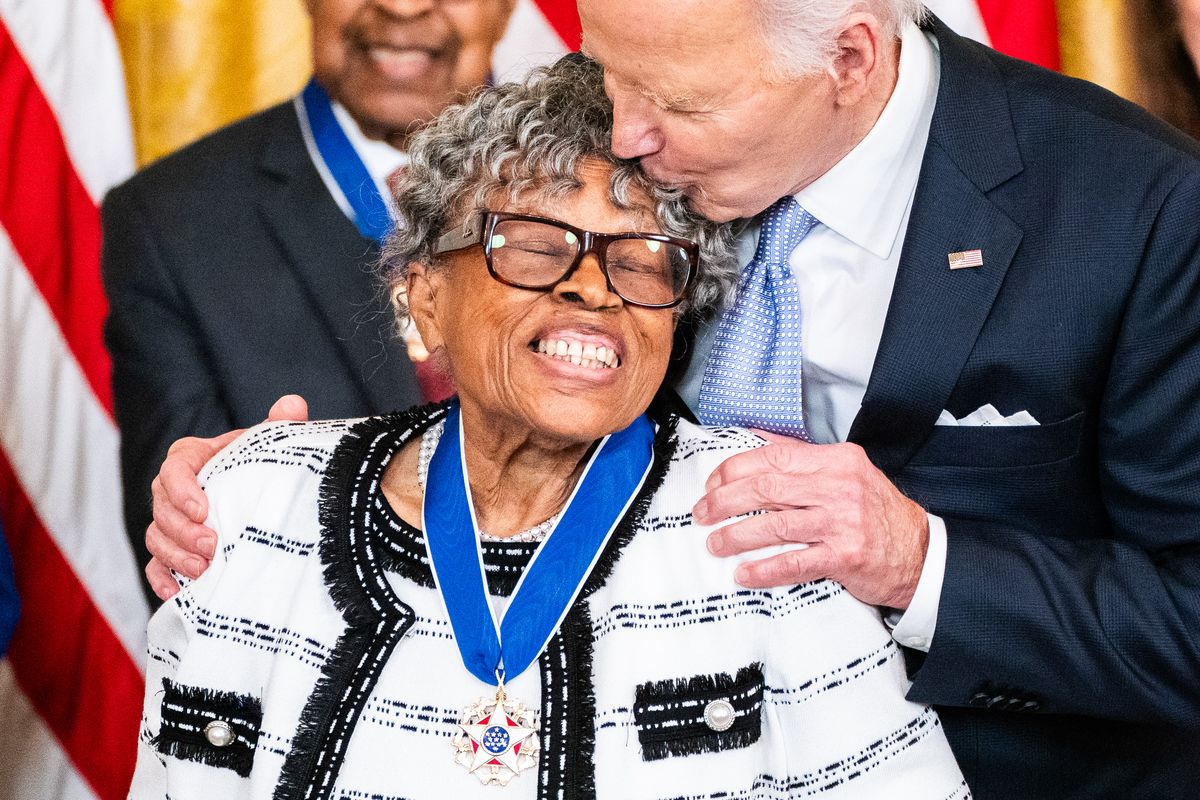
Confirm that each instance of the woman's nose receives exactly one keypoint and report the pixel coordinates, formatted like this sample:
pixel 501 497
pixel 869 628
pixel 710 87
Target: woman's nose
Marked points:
pixel 588 286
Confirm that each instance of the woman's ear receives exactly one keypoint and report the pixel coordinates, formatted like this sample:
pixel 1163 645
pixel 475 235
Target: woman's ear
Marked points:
pixel 419 294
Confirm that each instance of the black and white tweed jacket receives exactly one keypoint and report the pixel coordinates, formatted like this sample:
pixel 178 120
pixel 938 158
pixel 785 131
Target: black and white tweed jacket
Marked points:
pixel 318 638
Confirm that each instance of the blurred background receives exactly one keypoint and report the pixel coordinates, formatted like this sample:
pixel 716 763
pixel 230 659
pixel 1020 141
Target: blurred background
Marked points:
pixel 92 89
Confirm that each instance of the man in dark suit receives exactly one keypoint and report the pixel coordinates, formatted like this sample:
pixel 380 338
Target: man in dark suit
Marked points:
pixel 236 270
pixel 1047 561
pixel 1001 347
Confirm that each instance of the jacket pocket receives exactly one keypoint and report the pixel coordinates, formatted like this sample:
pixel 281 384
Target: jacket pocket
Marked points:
pixel 701 714
pixel 208 726
pixel 992 446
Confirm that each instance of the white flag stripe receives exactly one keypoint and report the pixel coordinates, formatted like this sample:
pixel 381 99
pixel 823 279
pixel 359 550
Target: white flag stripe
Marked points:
pixel 33 766
pixel 962 16
pixel 70 48
pixel 63 448
pixel 528 42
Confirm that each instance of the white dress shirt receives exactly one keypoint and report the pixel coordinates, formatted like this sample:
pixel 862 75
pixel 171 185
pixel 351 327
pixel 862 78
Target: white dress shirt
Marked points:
pixel 846 269
pixel 379 158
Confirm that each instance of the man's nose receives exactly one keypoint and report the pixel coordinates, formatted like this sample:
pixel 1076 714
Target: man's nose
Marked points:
pixel 588 286
pixel 406 8
pixel 635 128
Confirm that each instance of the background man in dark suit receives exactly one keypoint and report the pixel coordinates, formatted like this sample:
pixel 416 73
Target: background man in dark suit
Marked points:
pixel 235 269
pixel 1002 362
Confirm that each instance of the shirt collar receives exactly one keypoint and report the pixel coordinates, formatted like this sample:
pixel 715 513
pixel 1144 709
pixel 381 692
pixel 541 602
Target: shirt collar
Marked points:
pixel 380 158
pixel 865 196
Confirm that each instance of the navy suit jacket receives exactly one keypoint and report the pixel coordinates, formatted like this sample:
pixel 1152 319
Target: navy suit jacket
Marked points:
pixel 233 278
pixel 1066 658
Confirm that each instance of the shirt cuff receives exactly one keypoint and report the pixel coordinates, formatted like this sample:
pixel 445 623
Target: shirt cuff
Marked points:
pixel 914 627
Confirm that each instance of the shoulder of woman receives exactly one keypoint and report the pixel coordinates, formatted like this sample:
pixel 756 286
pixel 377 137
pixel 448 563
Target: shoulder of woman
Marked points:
pixel 700 447
pixel 278 448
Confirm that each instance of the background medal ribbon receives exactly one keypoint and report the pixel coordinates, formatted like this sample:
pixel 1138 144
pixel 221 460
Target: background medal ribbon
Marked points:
pixel 371 215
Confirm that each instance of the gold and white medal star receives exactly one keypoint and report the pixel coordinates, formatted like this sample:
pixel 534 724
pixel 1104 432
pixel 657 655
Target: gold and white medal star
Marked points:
pixel 497 740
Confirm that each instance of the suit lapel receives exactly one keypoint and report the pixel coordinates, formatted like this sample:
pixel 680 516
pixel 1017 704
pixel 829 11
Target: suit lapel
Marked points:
pixel 936 313
pixel 335 264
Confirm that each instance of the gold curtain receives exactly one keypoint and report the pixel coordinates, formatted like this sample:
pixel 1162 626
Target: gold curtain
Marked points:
pixel 192 66
pixel 1098 43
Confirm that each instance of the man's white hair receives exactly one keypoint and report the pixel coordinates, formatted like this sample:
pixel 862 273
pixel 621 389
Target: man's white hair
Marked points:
pixel 802 34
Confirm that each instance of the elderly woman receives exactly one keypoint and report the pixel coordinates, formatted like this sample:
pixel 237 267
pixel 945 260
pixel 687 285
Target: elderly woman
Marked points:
pixel 506 595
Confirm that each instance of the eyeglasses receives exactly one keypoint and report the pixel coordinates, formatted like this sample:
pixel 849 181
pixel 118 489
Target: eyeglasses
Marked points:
pixel 643 269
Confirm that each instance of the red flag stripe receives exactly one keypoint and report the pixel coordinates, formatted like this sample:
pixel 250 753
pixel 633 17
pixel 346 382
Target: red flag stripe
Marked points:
pixel 75 672
pixel 1027 30
pixel 563 17
pixel 40 196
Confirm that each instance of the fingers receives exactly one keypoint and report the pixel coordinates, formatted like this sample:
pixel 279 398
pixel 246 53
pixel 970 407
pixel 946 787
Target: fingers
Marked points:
pixel 787 568
pixel 759 491
pixel 180 528
pixel 765 530
pixel 160 580
pixel 290 408
pixel 787 455
pixel 790 457
pixel 172 556
pixel 176 497
pixel 176 484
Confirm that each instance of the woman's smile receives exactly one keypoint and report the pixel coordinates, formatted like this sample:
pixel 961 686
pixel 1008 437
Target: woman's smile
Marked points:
pixel 589 349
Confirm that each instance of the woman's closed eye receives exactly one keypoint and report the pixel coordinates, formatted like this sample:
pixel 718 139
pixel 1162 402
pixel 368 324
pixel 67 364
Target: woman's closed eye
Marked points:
pixel 542 247
pixel 642 267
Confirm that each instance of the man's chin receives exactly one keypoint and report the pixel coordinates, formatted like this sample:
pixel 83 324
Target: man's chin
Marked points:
pixel 711 209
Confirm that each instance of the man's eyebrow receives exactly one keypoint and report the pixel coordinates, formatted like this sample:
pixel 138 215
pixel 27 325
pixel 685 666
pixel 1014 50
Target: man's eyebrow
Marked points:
pixel 664 99
pixel 667 99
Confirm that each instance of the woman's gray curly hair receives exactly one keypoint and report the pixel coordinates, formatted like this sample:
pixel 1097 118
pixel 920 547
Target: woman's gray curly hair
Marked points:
pixel 533 137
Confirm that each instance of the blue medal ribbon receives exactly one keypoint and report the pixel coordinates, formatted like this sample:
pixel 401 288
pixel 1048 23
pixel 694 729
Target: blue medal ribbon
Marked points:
pixel 495 652
pixel 371 215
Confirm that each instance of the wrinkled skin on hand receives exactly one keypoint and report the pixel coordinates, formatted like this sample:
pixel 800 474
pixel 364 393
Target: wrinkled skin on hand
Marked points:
pixel 859 529
pixel 178 539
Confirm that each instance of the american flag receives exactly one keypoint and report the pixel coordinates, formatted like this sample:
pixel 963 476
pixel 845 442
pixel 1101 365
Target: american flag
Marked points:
pixel 71 687
pixel 966 259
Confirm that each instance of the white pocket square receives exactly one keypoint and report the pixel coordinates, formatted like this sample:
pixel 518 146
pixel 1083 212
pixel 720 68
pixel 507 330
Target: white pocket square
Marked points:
pixel 986 415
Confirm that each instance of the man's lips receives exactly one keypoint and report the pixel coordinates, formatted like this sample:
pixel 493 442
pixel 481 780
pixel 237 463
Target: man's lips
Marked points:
pixel 401 63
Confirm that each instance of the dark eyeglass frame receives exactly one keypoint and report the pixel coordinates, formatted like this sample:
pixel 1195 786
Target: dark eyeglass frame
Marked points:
pixel 480 228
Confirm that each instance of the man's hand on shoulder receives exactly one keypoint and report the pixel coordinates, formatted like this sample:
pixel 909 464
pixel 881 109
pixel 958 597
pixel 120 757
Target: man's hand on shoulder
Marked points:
pixel 178 538
pixel 860 530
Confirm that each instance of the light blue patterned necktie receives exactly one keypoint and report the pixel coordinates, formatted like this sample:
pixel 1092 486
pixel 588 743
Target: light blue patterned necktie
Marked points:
pixel 752 378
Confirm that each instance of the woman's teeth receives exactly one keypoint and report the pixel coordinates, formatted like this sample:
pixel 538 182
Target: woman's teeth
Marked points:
pixel 579 353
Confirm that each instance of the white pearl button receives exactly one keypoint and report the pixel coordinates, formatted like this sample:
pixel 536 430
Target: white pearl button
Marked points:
pixel 219 733
pixel 719 715
pixel 918 642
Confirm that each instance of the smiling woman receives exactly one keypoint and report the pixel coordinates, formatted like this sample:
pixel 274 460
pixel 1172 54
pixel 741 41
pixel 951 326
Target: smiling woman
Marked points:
pixel 433 603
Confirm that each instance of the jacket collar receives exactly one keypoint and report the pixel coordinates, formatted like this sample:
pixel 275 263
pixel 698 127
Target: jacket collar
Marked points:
pixel 335 264
pixel 936 313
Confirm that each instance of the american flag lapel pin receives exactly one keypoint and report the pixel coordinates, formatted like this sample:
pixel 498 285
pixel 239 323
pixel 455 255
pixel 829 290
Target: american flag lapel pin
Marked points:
pixel 966 259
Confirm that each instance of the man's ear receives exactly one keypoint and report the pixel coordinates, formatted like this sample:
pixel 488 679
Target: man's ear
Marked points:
pixel 419 294
pixel 860 56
